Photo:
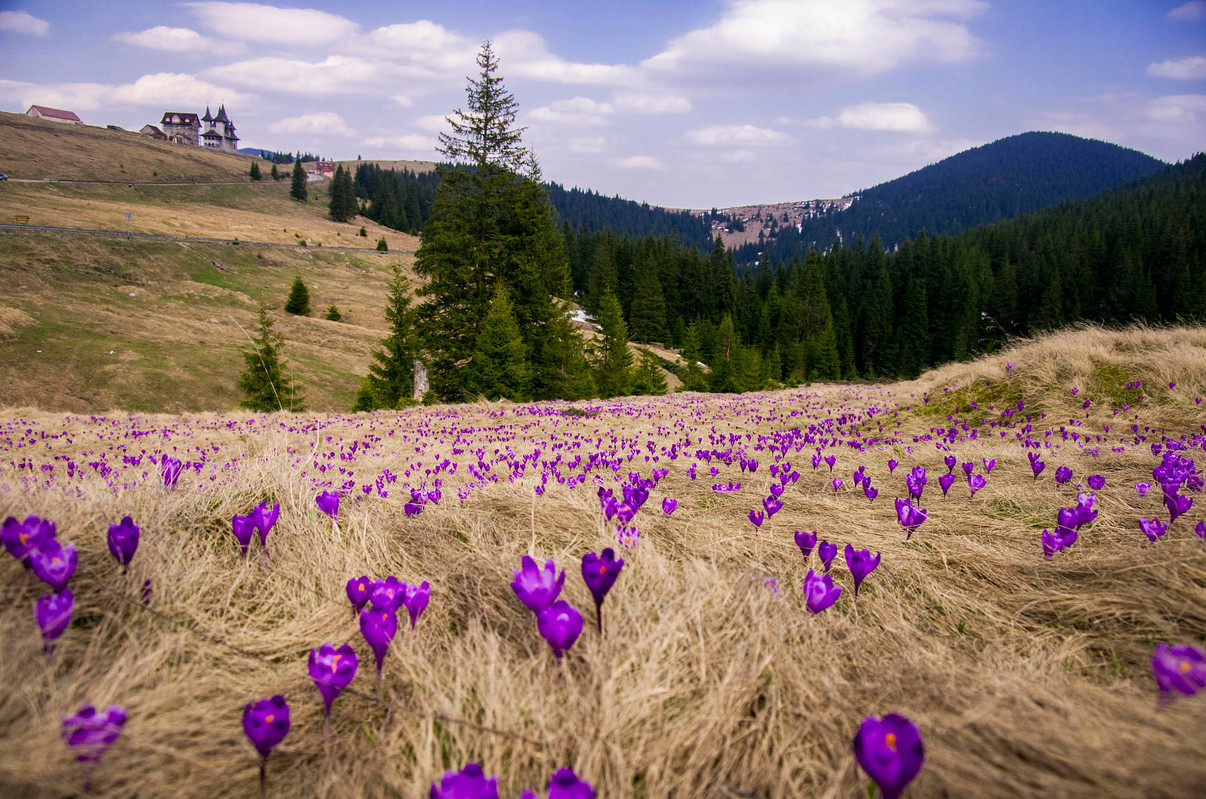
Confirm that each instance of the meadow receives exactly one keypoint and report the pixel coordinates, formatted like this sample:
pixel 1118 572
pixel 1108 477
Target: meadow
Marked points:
pixel 1026 675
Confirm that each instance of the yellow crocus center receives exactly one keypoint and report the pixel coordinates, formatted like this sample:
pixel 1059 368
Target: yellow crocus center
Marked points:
pixel 24 538
pixel 1183 666
pixel 335 662
pixel 268 719
pixel 890 740
pixel 602 570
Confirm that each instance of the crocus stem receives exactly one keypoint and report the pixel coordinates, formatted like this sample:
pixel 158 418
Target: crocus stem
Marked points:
pixel 263 776
pixel 599 616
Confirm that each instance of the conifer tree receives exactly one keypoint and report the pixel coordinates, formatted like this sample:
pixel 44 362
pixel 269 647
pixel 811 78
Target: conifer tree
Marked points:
pixel 648 378
pixel 390 381
pixel 297 189
pixel 255 170
pixel 263 382
pixel 298 302
pixel 490 223
pixel 500 366
pixel 343 204
pixel 613 361
pixel 647 314
pixel 276 175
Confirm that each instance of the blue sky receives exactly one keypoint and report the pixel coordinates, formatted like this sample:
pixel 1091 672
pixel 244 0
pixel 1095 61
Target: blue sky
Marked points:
pixel 683 103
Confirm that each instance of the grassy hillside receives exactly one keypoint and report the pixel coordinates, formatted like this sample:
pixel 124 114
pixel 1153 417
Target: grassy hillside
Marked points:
pixel 38 149
pixel 1026 677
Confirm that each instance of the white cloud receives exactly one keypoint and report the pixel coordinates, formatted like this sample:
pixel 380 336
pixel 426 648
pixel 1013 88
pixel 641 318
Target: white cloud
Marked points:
pixel 22 22
pixel 325 123
pixel 734 135
pixel 178 40
pixel 432 123
pixel 402 100
pixel 576 111
pixel 175 90
pixel 863 37
pixel 1194 11
pixel 336 74
pixel 895 117
pixel 254 22
pixel 651 103
pixel 423 36
pixel 525 54
pixel 70 96
pixel 589 145
pixel 1168 127
pixel 410 142
pixel 1192 68
pixel 639 162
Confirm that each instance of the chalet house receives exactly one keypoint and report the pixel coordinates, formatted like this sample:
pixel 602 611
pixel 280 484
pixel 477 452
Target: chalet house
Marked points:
pixel 219 132
pixel 181 127
pixel 153 132
pixel 325 168
pixel 53 114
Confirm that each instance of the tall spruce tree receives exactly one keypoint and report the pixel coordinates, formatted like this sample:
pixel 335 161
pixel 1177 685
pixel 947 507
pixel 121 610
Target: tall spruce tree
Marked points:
pixel 343 205
pixel 613 360
pixel 263 382
pixel 390 381
pixel 500 367
pixel 297 189
pixel 491 223
pixel 298 302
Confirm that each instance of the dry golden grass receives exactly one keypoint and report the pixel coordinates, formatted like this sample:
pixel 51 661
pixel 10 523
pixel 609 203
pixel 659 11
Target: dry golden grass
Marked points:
pixel 1026 678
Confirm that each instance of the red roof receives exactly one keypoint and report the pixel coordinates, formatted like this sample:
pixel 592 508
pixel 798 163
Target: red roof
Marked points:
pixel 56 113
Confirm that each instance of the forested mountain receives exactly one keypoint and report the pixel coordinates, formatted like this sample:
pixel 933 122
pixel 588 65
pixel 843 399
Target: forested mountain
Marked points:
pixel 1136 252
pixel 997 181
pixel 585 210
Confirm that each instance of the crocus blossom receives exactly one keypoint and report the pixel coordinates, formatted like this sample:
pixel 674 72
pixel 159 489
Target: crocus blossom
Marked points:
pixel 359 591
pixel 820 592
pixel 90 733
pixel 21 537
pixel 378 628
pixel 668 505
pixel 416 600
pixel 171 471
pixel 599 572
pixel 123 541
pixel 243 528
pixel 328 503
pixel 1179 668
pixel 945 482
pixel 806 542
pixel 860 563
pixel 332 670
pixel 468 783
pixel 388 594
pixel 53 563
pixel 560 624
pixel 53 614
pixel 910 517
pixel 826 552
pixel 537 587
pixel 565 784
pixel 890 751
pixel 1154 529
pixel 266 723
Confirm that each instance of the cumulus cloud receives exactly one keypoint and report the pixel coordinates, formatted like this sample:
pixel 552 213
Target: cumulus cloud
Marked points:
pixel 639 162
pixel 1193 11
pixel 1192 68
pixel 651 103
pixel 737 135
pixel 576 111
pixel 336 74
pixel 178 40
pixel 1168 127
pixel 325 123
pixel 253 22
pixel 594 144
pixel 527 56
pixel 22 22
pixel 862 37
pixel 409 142
pixel 895 117
pixel 159 91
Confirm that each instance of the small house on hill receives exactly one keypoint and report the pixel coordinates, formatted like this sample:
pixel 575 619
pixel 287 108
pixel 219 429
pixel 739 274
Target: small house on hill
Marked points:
pixel 54 114
pixel 181 127
pixel 153 132
pixel 325 168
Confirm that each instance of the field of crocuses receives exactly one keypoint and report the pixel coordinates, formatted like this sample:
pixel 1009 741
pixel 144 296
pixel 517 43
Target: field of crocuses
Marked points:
pixel 990 582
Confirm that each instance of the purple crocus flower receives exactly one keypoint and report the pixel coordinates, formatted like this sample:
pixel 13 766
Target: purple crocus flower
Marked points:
pixel 950 461
pixel 90 734
pixel 820 592
pixel 1177 504
pixel 1200 530
pixel 53 563
pixel 915 481
pixel 1036 465
pixel 536 587
pixel 468 783
pixel 837 484
pixel 123 541
pixel 860 563
pixel 243 528
pixel 378 628
pixel 756 518
pixel 890 751
pixel 892 464
pixel 53 614
pixel 806 542
pixel 388 594
pixel 332 670
pixel 264 519
pixel 1061 538
pixel 599 572
pixel 1179 668
pixel 946 481
pixel 328 503
pixel 976 482
pixel 869 492
pixel 668 505
pixel 968 468
pixel 989 465
pixel 566 785
pixel 830 460
pixel 417 598
pixel 266 723
pixel 826 552
pixel 910 517
pixel 1062 475
pixel 1154 529
pixel 560 624
pixel 1143 488
pixel 171 471
pixel 773 505
pixel 21 537
pixel 359 591
pixel 1096 482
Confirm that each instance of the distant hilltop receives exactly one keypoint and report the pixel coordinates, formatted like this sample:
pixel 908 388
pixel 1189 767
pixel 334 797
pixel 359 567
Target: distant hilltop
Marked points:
pixel 745 224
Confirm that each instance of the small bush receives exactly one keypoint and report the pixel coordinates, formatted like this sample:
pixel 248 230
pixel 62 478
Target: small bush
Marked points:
pixel 333 314
pixel 382 246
